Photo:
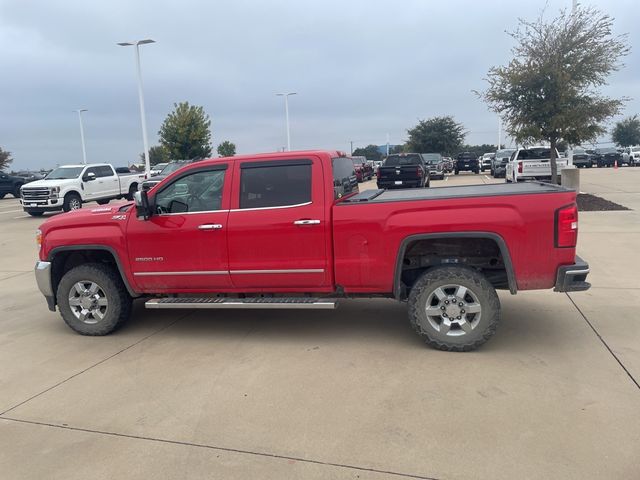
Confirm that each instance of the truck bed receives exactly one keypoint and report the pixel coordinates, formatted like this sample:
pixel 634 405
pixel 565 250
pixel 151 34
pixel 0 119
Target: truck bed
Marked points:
pixel 463 191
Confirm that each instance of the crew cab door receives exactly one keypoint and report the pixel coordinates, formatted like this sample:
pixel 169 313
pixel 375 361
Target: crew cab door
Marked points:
pixel 278 225
pixel 183 246
pixel 90 185
pixel 108 181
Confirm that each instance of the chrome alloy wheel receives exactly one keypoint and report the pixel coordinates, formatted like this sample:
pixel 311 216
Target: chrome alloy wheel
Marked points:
pixel 75 204
pixel 453 310
pixel 88 302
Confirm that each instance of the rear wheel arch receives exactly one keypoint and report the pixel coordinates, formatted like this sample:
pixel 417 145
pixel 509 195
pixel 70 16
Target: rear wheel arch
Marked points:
pixel 399 290
pixel 65 258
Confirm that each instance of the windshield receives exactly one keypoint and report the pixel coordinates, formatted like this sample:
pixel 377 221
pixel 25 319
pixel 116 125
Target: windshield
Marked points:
pixel 172 167
pixel 535 154
pixel 64 173
pixel 432 158
pixel 606 150
pixel 395 160
pixel 579 151
pixel 504 153
pixel 635 149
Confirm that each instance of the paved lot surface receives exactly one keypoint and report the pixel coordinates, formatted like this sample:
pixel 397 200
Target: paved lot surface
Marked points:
pixel 349 394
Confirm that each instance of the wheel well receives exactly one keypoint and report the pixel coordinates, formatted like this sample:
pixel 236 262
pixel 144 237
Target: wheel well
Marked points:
pixel 485 253
pixel 72 192
pixel 65 260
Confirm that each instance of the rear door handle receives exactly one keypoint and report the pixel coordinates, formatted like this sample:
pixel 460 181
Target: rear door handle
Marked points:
pixel 210 226
pixel 306 222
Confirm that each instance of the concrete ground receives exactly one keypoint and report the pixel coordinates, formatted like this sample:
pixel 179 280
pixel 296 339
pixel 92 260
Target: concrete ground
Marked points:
pixel 346 394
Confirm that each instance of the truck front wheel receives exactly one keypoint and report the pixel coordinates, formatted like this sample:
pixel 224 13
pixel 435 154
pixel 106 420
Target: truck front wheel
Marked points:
pixel 93 300
pixel 454 308
pixel 72 201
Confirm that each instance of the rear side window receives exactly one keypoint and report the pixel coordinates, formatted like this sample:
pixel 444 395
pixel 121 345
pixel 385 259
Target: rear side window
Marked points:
pixel 104 171
pixel 535 154
pixel 275 185
pixel 398 160
pixel 344 177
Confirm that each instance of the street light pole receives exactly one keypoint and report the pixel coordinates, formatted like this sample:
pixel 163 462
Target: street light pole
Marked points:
pixel 143 118
pixel 286 114
pixel 84 150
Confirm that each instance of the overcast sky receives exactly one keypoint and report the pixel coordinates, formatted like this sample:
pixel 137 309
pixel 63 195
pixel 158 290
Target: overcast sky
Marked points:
pixel 362 69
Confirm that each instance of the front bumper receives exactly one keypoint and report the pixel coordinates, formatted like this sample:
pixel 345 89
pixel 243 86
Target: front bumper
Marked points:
pixel 572 278
pixel 41 205
pixel 43 279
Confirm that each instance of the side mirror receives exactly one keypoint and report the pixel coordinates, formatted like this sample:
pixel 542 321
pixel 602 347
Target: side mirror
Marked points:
pixel 88 177
pixel 141 200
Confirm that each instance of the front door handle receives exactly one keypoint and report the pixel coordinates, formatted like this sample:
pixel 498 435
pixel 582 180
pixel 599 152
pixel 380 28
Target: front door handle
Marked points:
pixel 210 226
pixel 306 222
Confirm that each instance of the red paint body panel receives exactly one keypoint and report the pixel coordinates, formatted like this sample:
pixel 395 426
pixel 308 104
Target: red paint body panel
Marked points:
pixel 354 246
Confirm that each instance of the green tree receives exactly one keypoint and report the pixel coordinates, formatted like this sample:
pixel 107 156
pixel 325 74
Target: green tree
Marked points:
pixel 549 90
pixel 157 154
pixel 370 151
pixel 227 149
pixel 5 159
pixel 185 133
pixel 437 135
pixel 626 133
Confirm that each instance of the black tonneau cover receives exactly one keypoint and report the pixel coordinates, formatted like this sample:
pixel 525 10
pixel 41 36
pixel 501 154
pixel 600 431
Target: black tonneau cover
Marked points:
pixel 487 190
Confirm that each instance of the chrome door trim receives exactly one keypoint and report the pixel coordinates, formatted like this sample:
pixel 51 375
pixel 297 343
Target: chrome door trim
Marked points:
pixel 189 213
pixel 270 208
pixel 294 270
pixel 193 272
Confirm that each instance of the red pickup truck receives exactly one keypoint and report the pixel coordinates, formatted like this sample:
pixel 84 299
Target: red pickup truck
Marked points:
pixel 291 230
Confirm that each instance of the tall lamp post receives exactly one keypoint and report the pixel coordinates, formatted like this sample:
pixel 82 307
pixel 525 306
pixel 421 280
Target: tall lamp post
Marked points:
pixel 286 114
pixel 143 118
pixel 84 150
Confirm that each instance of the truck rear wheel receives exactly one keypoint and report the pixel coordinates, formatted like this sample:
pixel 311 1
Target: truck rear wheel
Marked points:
pixel 454 308
pixel 72 201
pixel 93 300
pixel 132 191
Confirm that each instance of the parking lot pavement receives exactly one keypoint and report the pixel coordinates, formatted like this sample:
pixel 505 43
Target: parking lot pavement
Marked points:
pixel 348 394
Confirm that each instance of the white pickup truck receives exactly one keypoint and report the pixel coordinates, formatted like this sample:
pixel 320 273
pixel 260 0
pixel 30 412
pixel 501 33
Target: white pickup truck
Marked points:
pixel 533 163
pixel 69 186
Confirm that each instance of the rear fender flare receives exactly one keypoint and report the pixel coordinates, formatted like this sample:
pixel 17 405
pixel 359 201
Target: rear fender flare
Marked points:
pixel 504 251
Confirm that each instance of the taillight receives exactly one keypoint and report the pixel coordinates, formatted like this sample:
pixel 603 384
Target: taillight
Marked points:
pixel 378 172
pixel 419 171
pixel 567 226
pixel 519 167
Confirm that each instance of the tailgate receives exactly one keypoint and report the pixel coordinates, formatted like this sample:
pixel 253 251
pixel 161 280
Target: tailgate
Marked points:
pixel 400 173
pixel 540 168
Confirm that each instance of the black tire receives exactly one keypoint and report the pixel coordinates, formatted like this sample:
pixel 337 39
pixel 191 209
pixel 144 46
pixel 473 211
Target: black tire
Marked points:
pixel 103 202
pixel 457 172
pixel 36 214
pixel 71 201
pixel 132 190
pixel 480 295
pixel 16 191
pixel 117 310
pixel 477 171
pixel 2 195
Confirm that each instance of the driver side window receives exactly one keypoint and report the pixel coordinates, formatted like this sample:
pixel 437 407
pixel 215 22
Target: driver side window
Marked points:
pixel 197 192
